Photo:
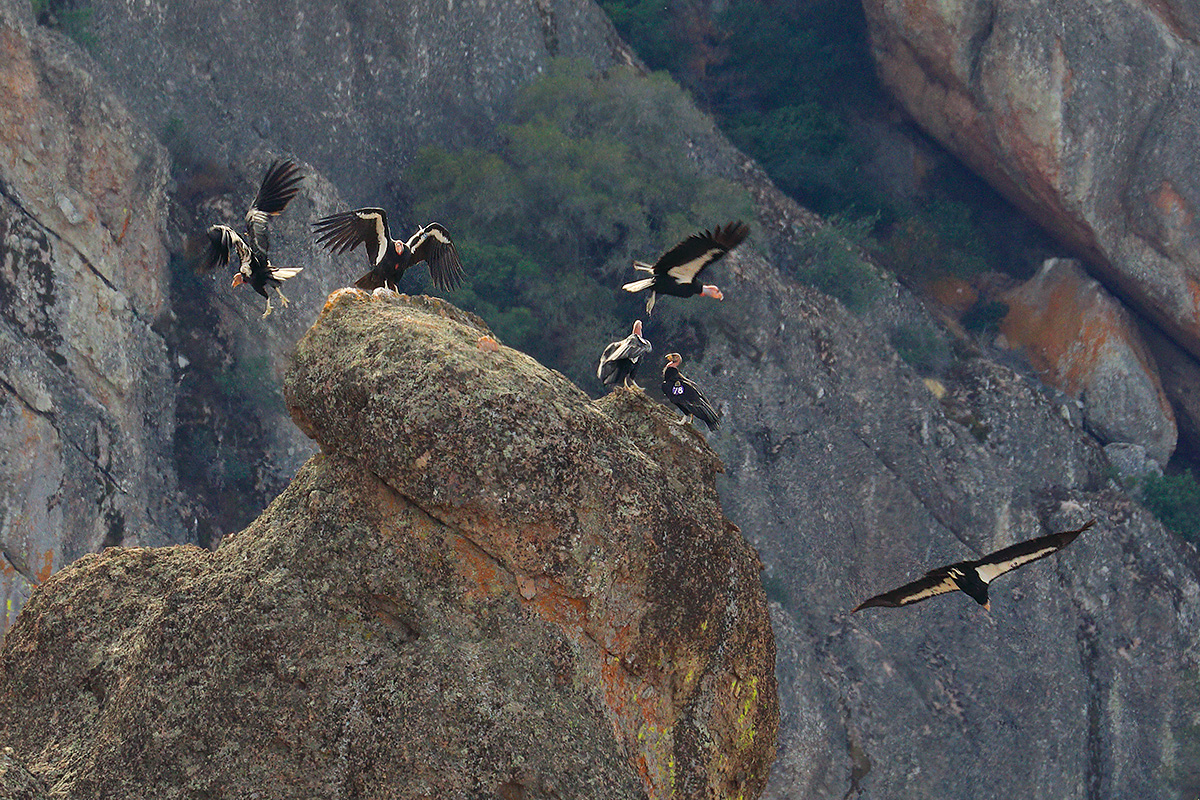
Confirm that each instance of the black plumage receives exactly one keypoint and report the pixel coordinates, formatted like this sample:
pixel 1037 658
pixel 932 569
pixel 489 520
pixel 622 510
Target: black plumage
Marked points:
pixel 389 257
pixel 687 396
pixel 973 577
pixel 279 185
pixel 619 361
pixel 677 271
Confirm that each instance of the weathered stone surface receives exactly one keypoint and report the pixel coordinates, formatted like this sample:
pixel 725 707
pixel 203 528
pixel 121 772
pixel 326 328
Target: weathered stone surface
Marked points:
pixel 1130 461
pixel 850 476
pixel 608 522
pixel 86 393
pixel 16 782
pixel 1083 341
pixel 1083 115
pixel 353 88
pixel 843 467
pixel 487 586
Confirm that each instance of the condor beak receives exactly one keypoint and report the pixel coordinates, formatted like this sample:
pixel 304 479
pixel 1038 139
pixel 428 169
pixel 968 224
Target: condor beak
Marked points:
pixel 238 280
pixel 713 292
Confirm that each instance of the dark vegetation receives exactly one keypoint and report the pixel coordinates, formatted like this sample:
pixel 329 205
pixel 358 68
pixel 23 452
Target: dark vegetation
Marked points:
pixel 793 85
pixel 1175 501
pixel 72 17
pixel 587 174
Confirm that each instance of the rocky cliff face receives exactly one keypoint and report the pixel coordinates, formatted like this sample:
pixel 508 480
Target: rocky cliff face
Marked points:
pixel 486 585
pixel 1083 116
pixel 352 87
pixel 86 391
pixel 845 469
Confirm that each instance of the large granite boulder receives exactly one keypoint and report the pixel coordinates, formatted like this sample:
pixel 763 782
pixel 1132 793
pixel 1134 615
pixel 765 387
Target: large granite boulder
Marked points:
pixel 1084 115
pixel 486 585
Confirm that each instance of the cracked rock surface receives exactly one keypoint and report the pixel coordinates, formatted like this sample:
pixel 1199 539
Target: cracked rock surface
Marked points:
pixel 484 586
pixel 86 393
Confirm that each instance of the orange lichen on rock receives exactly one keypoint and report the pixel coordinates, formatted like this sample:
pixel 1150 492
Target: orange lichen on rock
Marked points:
pixel 954 293
pixel 1083 342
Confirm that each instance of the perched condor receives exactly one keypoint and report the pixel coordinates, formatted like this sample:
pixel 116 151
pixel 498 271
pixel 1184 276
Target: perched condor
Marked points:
pixel 279 186
pixel 677 271
pixel 619 360
pixel 687 396
pixel 389 257
pixel 973 577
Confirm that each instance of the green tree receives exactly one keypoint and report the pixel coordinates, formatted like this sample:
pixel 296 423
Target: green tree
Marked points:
pixel 589 173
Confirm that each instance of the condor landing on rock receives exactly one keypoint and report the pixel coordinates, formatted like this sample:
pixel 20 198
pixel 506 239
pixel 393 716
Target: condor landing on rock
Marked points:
pixel 677 271
pixel 687 396
pixel 973 577
pixel 619 360
pixel 389 257
pixel 279 186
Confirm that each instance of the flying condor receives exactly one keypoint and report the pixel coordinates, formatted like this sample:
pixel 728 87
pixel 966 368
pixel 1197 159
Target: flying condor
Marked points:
pixel 279 186
pixel 619 361
pixel 677 271
pixel 973 577
pixel 687 396
pixel 389 257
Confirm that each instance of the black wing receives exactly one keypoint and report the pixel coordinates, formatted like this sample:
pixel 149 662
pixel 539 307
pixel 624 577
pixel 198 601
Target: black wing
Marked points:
pixel 347 230
pixel 432 244
pixel 688 396
pixel 279 186
pixel 223 241
pixel 935 582
pixel 992 566
pixel 686 260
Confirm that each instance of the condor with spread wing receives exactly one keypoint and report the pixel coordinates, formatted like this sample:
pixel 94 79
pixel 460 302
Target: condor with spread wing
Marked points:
pixel 279 186
pixel 389 257
pixel 973 577
pixel 677 271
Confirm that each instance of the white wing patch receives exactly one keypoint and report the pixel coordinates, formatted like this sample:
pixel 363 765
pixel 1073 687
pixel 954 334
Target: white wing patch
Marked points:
pixel 989 572
pixel 687 271
pixel 283 273
pixel 381 237
pixel 947 584
pixel 240 245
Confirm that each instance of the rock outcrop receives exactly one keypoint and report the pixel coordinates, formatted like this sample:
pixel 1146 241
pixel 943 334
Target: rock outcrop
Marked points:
pixel 1083 342
pixel 1084 116
pixel 844 468
pixel 86 390
pixel 485 585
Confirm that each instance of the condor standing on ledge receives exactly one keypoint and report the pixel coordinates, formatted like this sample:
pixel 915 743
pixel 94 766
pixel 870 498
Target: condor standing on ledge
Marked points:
pixel 279 186
pixel 389 257
pixel 973 577
pixel 619 360
pixel 677 271
pixel 687 396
